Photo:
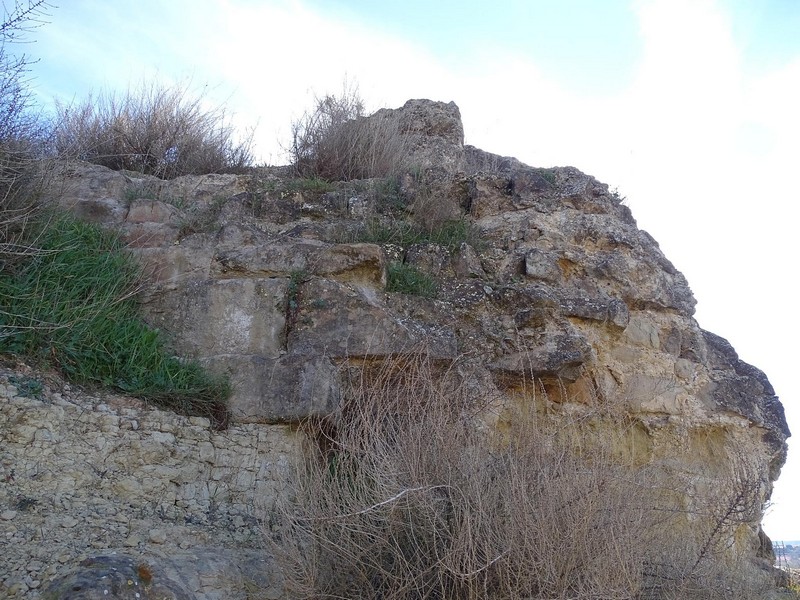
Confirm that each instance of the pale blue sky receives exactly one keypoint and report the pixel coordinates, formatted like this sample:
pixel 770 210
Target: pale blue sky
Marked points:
pixel 688 106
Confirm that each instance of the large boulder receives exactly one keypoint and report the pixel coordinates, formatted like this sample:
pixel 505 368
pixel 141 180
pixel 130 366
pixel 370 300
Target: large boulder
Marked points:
pixel 552 297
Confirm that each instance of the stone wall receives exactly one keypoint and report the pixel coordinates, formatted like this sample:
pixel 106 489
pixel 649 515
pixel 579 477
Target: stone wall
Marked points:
pixel 83 475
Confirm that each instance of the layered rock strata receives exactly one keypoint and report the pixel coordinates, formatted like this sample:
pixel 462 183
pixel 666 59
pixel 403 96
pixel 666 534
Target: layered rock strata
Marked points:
pixel 549 285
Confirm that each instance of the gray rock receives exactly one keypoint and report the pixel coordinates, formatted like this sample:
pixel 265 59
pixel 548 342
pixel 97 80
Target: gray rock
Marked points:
pixel 345 262
pixel 152 211
pixel 434 131
pixel 244 316
pixel 742 388
pixel 340 321
pixel 559 356
pixel 280 390
pixel 91 192
pixel 563 293
pixel 542 265
pixel 115 577
pixel 605 310
pixel 467 263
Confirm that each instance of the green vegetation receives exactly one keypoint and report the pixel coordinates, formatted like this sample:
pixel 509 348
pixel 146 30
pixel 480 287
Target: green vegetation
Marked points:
pixel 402 494
pixel 72 304
pixel 388 195
pixel 407 279
pixel 67 289
pixel 450 234
pixel 381 231
pixel 202 219
pixel 296 279
pixel 289 187
pixel 549 175
pixel 307 184
pixel 30 387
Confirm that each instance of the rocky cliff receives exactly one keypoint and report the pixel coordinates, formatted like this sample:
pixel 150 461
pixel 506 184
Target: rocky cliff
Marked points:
pixel 541 288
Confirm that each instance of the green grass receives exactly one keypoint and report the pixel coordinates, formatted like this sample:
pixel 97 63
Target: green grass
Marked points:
pixel 450 234
pixel 72 304
pixel 407 279
pixel 313 185
pixel 402 233
pixel 548 175
pixel 29 387
pixel 296 279
pixel 388 195
pixel 310 184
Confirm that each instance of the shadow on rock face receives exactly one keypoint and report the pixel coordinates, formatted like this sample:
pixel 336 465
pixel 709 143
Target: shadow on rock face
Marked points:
pixel 115 578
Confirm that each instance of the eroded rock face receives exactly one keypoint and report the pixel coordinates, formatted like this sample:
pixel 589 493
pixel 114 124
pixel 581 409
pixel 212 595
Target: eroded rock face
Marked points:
pixel 552 284
pixel 434 131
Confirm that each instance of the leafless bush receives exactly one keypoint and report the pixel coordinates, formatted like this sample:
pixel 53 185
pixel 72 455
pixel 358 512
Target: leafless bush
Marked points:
pixel 407 493
pixel 411 497
pixel 21 133
pixel 336 141
pixel 155 129
pixel 17 121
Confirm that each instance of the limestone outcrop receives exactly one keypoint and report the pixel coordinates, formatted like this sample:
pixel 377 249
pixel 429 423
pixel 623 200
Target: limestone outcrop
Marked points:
pixel 279 283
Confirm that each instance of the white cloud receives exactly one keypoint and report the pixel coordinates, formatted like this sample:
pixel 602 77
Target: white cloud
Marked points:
pixel 278 55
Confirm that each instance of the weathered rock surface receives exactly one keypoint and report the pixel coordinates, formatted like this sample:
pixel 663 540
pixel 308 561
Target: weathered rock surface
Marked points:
pixel 115 576
pixel 278 285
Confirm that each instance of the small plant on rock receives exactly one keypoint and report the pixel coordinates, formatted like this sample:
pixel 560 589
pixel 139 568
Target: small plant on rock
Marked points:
pixel 407 279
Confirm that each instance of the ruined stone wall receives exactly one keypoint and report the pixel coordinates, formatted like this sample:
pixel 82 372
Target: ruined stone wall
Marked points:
pixel 83 475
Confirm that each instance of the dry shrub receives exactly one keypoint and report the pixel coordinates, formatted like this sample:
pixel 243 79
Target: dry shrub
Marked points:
pixel 21 180
pixel 407 492
pixel 22 134
pixel 17 121
pixel 337 142
pixel 698 557
pixel 155 129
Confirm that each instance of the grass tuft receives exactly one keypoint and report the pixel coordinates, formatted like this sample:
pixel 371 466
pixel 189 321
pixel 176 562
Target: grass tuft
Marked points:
pixel 153 129
pixel 450 234
pixel 337 142
pixel 73 305
pixel 407 279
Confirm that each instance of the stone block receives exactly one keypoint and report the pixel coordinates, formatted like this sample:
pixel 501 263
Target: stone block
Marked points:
pixel 152 211
pixel 223 317
pixel 558 355
pixel 169 267
pixel 340 321
pixel 287 389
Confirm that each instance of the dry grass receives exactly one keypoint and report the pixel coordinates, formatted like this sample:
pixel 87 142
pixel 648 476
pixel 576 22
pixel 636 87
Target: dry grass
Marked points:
pixel 411 498
pixel 157 130
pixel 335 141
pixel 22 178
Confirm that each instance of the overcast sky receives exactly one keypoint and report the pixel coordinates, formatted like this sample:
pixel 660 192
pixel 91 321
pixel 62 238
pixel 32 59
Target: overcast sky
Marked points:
pixel 688 107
